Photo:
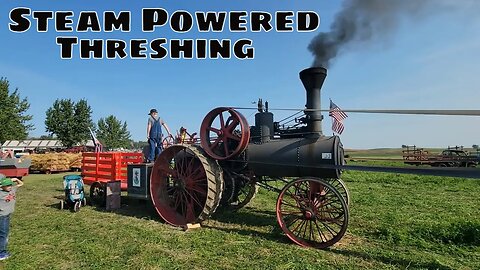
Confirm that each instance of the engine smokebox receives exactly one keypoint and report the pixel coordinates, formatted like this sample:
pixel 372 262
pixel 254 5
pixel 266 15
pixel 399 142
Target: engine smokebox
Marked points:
pixel 297 157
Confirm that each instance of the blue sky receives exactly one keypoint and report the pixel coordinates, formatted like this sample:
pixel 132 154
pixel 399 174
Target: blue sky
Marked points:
pixel 429 63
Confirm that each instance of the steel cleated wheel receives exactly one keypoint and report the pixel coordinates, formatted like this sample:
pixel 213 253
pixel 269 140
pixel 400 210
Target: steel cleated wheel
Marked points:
pixel 312 213
pixel 185 185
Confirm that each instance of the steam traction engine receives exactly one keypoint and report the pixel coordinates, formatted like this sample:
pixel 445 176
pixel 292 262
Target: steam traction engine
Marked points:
pixel 189 182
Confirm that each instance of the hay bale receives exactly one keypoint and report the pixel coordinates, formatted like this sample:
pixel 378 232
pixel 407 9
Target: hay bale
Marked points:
pixel 50 162
pixel 75 160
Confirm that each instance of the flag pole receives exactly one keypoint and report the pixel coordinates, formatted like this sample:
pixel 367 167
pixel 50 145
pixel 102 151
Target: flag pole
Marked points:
pixel 330 108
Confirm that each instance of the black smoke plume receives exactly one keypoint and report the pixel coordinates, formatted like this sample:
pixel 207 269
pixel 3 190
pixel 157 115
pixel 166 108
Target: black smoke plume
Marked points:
pixel 362 21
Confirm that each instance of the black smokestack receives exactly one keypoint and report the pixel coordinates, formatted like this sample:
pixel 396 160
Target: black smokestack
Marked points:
pixel 362 21
pixel 312 79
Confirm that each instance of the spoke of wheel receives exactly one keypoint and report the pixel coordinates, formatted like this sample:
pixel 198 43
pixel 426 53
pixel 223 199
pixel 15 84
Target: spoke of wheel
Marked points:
pixel 304 222
pixel 199 175
pixel 190 215
pixel 322 235
pixel 197 189
pixel 215 143
pixel 182 163
pixel 305 229
pixel 190 166
pixel 311 236
pixel 301 222
pixel 232 136
pixel 177 199
pixel 225 147
pixel 234 123
pixel 288 204
pixel 194 198
pixel 291 222
pixel 184 200
pixel 194 173
pixel 292 213
pixel 170 189
pixel 335 220
pixel 215 130
pixel 332 231
pixel 179 170
pixel 222 122
pixel 330 202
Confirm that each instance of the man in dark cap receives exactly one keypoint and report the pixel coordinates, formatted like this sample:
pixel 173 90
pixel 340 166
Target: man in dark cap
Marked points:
pixel 154 134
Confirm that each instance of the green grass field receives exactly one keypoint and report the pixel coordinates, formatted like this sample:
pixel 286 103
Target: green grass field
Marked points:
pixel 397 222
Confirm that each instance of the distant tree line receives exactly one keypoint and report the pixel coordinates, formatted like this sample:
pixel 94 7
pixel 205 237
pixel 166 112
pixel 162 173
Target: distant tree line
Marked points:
pixel 66 120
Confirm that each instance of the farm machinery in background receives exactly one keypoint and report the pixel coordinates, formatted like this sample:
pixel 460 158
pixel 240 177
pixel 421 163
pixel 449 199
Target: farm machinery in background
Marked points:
pixel 188 182
pixel 10 166
pixel 450 157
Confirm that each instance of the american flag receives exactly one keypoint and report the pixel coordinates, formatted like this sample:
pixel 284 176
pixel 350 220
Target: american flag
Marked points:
pixel 337 117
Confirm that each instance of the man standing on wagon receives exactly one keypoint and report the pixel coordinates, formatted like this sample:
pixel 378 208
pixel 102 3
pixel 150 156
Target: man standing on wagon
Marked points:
pixel 154 134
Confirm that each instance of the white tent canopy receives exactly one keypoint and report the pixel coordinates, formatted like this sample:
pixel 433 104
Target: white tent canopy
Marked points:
pixel 26 145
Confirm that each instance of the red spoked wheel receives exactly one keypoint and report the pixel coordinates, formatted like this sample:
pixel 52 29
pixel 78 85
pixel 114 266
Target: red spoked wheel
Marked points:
pixel 168 141
pixel 185 186
pixel 312 213
pixel 224 133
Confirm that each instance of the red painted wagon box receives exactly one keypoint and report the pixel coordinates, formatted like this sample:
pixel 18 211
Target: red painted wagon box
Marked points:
pixel 108 166
pixel 14 167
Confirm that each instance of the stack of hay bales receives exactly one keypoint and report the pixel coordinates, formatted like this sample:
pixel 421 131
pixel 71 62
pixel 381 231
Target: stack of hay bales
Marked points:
pixel 75 161
pixel 55 162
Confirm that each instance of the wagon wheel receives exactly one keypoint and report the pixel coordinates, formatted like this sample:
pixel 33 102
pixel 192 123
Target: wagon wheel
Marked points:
pixel 312 213
pixel 185 185
pixel 98 194
pixel 238 191
pixel 224 133
pixel 341 187
pixel 245 194
pixel 168 141
pixel 62 205
pixel 229 186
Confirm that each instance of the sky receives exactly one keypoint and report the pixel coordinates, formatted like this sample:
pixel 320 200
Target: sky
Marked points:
pixel 430 62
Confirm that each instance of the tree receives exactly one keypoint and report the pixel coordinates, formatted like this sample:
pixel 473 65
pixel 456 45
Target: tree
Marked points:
pixel 113 133
pixel 13 117
pixel 42 137
pixel 69 121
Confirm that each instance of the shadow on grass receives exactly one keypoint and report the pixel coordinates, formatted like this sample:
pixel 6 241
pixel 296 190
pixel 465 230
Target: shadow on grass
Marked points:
pixel 248 222
pixel 129 207
pixel 141 209
pixel 391 260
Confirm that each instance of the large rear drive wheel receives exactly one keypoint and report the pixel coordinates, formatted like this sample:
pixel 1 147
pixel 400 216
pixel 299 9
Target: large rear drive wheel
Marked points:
pixel 185 185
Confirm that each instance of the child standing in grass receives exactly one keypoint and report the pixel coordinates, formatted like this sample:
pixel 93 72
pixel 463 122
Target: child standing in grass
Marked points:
pixel 7 205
